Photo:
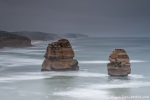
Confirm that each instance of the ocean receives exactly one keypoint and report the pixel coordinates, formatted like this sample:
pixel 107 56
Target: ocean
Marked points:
pixel 21 77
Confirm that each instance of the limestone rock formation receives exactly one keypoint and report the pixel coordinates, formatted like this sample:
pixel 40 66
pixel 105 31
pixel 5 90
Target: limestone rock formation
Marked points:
pixel 59 56
pixel 119 64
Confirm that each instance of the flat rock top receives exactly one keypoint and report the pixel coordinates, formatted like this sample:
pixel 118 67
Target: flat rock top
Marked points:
pixel 63 40
pixel 62 43
pixel 61 49
pixel 118 53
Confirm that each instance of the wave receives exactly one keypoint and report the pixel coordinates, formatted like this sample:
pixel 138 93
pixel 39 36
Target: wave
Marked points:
pixel 132 84
pixel 93 62
pixel 84 94
pixel 135 76
pixel 77 74
pixel 13 78
pixel 99 91
pixel 43 75
pixel 137 61
pixel 37 42
pixel 76 50
pixel 17 61
pixel 105 62
pixel 25 51
pixel 10 88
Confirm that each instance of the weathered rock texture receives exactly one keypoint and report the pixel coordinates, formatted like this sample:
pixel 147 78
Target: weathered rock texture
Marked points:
pixel 59 56
pixel 119 63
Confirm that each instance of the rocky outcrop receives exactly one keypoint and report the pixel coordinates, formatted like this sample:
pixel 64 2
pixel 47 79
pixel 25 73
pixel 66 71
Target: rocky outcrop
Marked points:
pixel 59 56
pixel 119 63
pixel 11 40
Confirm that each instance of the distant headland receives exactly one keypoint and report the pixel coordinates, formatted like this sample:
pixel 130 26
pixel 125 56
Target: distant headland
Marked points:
pixel 12 40
pixel 24 38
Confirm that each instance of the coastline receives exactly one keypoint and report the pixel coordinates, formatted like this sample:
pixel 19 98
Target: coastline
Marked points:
pixel 32 44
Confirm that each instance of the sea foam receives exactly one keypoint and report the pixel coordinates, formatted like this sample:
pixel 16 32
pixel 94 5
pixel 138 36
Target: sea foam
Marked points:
pixel 99 91
pixel 105 62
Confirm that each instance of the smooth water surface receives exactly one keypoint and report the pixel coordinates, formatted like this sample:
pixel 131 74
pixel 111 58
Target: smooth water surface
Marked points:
pixel 21 78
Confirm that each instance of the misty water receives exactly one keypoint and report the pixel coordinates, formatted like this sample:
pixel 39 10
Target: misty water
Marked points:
pixel 21 77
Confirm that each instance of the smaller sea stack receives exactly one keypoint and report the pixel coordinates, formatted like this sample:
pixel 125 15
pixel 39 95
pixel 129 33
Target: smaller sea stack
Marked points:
pixel 119 64
pixel 59 56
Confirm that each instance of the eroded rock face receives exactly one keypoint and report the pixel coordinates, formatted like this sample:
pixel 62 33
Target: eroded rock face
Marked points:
pixel 59 56
pixel 119 63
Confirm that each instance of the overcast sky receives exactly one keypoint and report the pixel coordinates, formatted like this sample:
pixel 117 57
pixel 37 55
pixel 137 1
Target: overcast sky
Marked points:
pixel 91 17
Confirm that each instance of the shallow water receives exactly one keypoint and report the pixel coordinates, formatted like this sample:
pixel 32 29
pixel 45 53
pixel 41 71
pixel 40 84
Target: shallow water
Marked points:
pixel 21 78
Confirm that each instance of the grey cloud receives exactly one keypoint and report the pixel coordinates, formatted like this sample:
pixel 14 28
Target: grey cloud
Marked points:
pixel 91 17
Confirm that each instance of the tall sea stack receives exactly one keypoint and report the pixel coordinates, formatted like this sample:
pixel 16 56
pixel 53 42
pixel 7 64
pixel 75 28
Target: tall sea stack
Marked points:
pixel 59 56
pixel 119 64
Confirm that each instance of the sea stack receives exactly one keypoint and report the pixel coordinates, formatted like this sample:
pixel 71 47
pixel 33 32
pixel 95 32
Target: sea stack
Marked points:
pixel 119 64
pixel 59 56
